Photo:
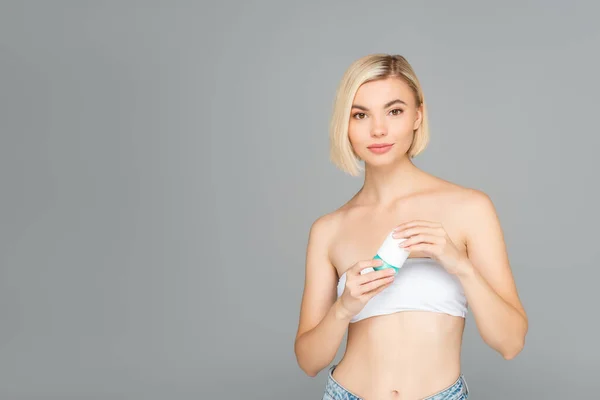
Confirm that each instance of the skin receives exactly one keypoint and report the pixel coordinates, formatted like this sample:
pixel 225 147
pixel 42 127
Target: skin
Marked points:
pixel 405 355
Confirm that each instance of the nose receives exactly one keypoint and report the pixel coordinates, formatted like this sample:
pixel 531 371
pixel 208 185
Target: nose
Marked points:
pixel 379 129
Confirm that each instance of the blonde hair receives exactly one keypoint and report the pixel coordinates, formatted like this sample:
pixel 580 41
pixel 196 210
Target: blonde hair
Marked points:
pixel 365 69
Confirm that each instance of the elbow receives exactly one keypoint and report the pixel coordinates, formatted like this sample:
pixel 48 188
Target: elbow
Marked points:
pixel 514 347
pixel 308 372
pixel 311 372
pixel 509 355
pixel 512 351
pixel 304 366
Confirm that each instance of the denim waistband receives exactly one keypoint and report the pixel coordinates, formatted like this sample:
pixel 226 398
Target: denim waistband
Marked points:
pixel 335 391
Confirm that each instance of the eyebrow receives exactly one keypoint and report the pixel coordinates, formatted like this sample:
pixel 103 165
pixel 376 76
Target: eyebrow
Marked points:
pixel 385 106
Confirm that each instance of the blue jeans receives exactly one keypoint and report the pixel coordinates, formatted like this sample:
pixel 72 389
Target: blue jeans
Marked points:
pixel 334 391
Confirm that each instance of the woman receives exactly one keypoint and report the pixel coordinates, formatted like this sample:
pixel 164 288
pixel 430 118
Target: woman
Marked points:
pixel 404 327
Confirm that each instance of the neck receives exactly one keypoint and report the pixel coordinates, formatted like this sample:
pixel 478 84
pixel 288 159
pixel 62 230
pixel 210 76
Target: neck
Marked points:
pixel 383 185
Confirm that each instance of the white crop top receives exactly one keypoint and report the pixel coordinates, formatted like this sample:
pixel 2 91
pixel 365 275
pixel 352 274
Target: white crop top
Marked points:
pixel 420 284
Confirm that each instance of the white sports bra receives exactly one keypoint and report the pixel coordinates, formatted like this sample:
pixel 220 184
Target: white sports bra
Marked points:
pixel 420 284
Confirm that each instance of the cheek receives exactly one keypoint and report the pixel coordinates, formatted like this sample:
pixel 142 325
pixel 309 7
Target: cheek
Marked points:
pixel 355 133
pixel 402 129
pixel 404 124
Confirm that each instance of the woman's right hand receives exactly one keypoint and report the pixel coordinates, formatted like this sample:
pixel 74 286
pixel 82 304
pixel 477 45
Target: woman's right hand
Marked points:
pixel 360 288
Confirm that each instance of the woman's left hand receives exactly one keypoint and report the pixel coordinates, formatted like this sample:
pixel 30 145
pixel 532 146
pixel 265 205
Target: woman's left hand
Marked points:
pixel 430 238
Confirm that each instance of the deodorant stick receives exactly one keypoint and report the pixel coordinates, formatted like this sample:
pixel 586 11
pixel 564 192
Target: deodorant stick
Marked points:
pixel 391 254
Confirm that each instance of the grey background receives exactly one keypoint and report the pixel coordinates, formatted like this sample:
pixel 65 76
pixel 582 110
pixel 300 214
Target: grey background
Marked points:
pixel 161 164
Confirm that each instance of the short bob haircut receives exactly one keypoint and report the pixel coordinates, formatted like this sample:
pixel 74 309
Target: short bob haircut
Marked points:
pixel 365 69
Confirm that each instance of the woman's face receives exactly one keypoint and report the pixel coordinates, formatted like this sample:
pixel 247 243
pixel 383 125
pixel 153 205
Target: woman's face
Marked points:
pixel 383 118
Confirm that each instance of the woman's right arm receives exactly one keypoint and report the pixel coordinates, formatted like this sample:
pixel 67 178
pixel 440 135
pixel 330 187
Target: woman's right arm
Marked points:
pixel 324 318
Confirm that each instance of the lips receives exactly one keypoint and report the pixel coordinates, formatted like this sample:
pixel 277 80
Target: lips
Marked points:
pixel 380 148
pixel 380 145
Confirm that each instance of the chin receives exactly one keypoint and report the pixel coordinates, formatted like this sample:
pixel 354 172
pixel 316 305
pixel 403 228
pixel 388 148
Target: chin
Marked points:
pixel 386 161
pixel 380 163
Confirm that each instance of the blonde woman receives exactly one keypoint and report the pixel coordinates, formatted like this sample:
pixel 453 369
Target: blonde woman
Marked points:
pixel 404 326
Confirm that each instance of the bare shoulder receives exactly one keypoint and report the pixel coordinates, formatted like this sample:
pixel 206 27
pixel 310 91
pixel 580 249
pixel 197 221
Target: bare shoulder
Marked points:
pixel 473 211
pixel 466 201
pixel 467 211
pixel 475 205
pixel 325 226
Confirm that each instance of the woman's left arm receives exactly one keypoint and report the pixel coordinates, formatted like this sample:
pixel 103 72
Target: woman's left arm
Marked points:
pixel 484 272
pixel 488 281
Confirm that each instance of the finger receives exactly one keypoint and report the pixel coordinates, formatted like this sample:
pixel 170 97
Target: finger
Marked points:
pixel 412 231
pixel 369 286
pixel 421 238
pixel 378 290
pixel 372 276
pixel 423 247
pixel 365 264
pixel 418 222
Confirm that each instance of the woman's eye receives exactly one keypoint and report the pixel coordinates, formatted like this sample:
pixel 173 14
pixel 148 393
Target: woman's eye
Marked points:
pixel 399 111
pixel 360 115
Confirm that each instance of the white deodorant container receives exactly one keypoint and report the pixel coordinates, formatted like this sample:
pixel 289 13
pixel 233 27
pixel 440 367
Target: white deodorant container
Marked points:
pixel 391 254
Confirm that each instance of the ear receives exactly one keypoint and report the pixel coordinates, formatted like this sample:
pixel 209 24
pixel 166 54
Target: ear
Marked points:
pixel 419 118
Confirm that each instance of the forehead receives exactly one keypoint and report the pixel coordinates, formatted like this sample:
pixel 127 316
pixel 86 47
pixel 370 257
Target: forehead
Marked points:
pixel 379 92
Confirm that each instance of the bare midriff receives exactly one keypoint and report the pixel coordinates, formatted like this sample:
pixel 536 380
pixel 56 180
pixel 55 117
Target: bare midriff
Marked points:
pixel 407 355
